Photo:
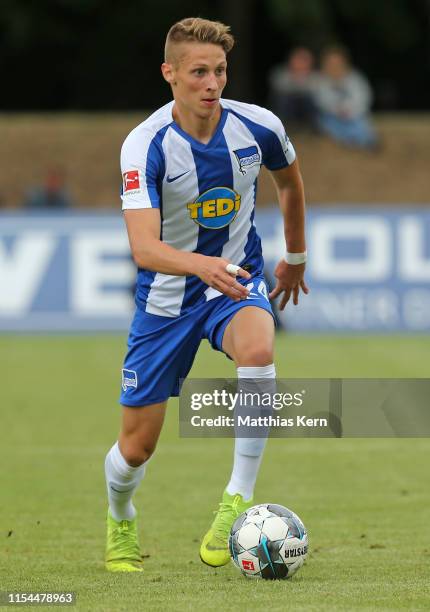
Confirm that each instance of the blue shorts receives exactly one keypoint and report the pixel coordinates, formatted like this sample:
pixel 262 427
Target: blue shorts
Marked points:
pixel 161 350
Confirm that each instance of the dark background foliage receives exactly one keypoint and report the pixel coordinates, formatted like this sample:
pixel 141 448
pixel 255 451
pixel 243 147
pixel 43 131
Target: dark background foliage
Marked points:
pixel 105 54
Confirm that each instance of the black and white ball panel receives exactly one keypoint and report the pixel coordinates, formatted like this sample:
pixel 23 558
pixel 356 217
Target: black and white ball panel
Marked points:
pixel 268 541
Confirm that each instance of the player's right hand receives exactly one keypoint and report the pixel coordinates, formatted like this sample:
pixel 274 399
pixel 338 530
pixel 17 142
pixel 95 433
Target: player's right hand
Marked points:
pixel 212 271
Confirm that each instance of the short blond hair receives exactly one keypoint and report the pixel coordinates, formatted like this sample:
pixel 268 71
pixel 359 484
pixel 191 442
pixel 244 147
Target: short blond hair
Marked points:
pixel 196 29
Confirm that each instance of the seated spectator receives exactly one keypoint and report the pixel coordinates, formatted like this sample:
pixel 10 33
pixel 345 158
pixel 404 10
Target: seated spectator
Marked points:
pixel 343 98
pixel 292 90
pixel 52 194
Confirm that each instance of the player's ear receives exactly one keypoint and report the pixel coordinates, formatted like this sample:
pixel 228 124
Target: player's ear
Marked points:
pixel 168 73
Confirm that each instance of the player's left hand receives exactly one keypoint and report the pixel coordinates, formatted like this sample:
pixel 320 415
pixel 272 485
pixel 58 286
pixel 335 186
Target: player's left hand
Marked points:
pixel 289 279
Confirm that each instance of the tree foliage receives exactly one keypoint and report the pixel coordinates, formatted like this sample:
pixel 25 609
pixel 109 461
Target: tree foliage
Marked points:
pixel 105 54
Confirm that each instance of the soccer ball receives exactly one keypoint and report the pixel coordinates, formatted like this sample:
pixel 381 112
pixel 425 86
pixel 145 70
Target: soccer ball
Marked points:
pixel 268 541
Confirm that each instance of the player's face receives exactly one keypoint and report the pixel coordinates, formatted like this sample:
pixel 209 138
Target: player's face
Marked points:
pixel 198 78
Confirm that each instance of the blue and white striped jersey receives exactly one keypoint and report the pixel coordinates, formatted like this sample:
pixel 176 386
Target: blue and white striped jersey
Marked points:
pixel 205 193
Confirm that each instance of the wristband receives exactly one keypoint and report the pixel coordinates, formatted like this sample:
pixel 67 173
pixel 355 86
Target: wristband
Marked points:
pixel 296 258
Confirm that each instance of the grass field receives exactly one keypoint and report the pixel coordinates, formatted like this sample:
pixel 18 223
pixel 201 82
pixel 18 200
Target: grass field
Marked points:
pixel 365 502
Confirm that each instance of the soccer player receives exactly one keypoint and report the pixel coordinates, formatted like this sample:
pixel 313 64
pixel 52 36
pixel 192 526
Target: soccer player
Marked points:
pixel 189 187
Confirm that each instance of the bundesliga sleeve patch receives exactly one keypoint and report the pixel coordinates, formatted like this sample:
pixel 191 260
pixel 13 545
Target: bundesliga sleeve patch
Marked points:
pixel 131 180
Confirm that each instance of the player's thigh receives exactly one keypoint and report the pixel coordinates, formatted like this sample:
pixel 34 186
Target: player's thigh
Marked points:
pixel 249 337
pixel 140 430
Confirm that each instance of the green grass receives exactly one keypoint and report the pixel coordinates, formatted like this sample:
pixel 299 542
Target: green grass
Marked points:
pixel 365 502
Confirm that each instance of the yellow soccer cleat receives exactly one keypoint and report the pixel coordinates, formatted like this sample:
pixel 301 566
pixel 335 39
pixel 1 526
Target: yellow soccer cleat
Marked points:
pixel 214 547
pixel 122 546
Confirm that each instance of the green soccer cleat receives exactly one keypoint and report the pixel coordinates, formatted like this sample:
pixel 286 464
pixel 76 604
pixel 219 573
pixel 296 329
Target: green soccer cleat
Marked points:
pixel 214 547
pixel 122 546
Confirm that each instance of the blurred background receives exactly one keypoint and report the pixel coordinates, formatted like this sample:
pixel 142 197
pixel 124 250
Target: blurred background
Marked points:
pixel 350 80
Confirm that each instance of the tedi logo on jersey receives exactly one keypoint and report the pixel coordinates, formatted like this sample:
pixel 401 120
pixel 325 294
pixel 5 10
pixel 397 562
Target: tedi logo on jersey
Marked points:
pixel 215 208
pixel 248 157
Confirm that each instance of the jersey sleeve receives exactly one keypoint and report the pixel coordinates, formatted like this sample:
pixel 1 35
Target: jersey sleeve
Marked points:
pixel 277 149
pixel 142 168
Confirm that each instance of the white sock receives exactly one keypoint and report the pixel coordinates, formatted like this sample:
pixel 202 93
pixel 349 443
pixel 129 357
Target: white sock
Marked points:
pixel 248 452
pixel 121 481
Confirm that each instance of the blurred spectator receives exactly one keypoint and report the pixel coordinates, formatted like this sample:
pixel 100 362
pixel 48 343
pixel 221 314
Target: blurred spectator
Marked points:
pixel 52 194
pixel 292 87
pixel 343 97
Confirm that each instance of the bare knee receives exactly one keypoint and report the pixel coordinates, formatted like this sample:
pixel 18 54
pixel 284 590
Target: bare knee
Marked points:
pixel 136 451
pixel 140 431
pixel 254 356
